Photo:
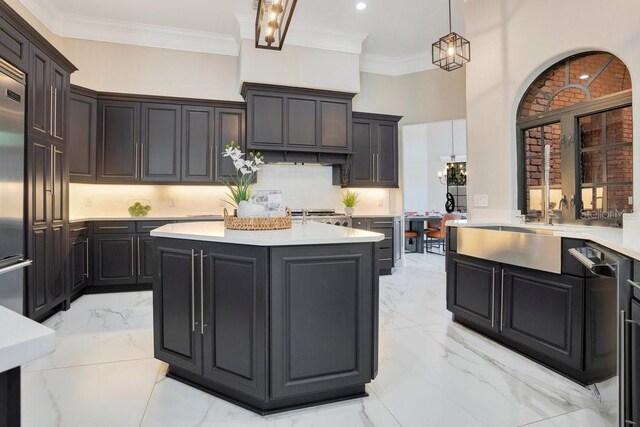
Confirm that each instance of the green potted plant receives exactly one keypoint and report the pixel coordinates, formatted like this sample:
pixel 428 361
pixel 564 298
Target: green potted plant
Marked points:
pixel 240 185
pixel 350 201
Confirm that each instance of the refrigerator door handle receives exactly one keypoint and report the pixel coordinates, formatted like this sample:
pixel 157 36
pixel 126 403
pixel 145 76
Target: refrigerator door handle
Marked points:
pixel 22 264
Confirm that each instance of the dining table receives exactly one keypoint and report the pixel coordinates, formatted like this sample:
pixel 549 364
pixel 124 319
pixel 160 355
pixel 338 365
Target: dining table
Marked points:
pixel 417 223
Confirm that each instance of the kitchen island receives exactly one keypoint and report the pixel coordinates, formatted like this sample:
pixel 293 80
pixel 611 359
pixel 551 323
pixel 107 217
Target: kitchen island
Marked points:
pixel 268 320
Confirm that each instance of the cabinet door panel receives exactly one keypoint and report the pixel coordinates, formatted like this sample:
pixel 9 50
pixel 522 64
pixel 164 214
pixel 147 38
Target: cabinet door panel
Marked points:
pixel 544 312
pixel 321 318
pixel 13 45
pixel 302 123
pixel 145 259
pixel 114 259
pixel 335 129
pixel 234 349
pixel 40 118
pixel 197 144
pixel 473 292
pixel 161 133
pixel 38 275
pixel 362 159
pixel 177 340
pixel 230 126
pixel 387 153
pixel 118 139
pixel 81 140
pixel 57 258
pixel 39 165
pixel 58 195
pixel 267 121
pixel 60 85
pixel 78 271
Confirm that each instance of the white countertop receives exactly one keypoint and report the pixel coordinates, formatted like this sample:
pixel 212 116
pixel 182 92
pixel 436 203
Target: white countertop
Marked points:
pixel 22 340
pixel 311 233
pixel 623 240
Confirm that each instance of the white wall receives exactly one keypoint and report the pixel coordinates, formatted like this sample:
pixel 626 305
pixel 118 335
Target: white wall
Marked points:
pixel 513 42
pixel 424 147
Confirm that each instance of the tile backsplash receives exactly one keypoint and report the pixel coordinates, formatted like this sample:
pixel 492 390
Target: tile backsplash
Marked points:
pixel 308 186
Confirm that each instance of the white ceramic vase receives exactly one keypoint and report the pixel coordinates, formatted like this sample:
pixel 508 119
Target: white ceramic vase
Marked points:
pixel 349 211
pixel 250 210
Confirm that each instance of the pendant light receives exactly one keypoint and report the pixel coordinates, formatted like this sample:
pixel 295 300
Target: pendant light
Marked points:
pixel 272 22
pixel 452 51
pixel 443 175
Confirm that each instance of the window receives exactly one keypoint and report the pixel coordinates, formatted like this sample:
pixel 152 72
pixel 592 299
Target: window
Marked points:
pixel 581 109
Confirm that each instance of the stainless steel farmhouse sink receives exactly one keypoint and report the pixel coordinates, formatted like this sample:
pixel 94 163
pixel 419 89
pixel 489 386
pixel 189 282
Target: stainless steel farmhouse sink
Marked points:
pixel 532 248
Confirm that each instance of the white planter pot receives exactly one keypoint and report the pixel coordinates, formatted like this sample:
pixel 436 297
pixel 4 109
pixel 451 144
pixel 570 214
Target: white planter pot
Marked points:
pixel 349 211
pixel 250 210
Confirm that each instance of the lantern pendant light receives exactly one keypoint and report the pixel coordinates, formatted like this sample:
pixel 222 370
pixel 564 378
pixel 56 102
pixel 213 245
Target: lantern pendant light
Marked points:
pixel 272 22
pixel 452 51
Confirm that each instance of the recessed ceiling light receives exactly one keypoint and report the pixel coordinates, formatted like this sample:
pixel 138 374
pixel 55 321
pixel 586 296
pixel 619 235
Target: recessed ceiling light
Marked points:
pixel 584 76
pixel 361 5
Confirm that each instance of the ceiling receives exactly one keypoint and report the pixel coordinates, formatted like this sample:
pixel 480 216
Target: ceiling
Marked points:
pixel 393 30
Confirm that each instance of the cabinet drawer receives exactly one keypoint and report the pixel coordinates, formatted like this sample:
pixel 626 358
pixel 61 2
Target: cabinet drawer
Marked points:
pixel 386 254
pixel 147 226
pixel 381 222
pixel 78 229
pixel 109 227
pixel 360 224
pixel 388 232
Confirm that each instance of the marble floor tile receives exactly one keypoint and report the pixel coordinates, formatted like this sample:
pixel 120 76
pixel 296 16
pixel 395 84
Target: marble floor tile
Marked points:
pixel 102 395
pixel 101 328
pixel 581 418
pixel 175 404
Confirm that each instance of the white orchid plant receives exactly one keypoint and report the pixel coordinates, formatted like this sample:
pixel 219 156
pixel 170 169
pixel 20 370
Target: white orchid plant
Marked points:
pixel 246 169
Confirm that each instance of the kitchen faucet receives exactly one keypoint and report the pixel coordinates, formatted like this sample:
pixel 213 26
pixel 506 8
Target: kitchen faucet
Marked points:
pixel 548 217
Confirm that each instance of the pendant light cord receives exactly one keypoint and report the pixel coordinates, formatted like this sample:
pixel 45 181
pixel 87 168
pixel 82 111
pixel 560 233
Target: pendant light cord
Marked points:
pixel 449 16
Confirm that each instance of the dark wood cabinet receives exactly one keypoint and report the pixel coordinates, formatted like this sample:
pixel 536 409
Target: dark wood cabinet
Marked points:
pixel 114 259
pixel 230 126
pixel 60 94
pixel 544 312
pixel 40 96
pixel 233 288
pixel 374 162
pixel 389 249
pixel 144 256
pixel 14 46
pixel 198 124
pixel 473 291
pixel 78 259
pixel 118 141
pixel 290 119
pixel 83 117
pixel 161 142
pixel 177 337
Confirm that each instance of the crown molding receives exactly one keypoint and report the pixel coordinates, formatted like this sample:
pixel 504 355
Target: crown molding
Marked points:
pixel 396 66
pixel 308 35
pixel 104 30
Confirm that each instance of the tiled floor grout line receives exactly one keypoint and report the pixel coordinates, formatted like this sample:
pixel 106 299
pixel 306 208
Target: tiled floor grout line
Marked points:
pixel 533 423
pixel 385 405
pixel 155 381
pixel 87 364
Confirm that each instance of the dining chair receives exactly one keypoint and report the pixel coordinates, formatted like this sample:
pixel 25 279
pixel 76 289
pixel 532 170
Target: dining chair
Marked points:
pixel 436 237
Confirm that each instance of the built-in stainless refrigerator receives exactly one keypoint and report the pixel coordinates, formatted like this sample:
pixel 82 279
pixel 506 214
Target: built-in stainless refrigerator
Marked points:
pixel 12 164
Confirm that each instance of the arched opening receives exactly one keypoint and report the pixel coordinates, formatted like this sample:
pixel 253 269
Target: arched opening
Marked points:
pixel 581 108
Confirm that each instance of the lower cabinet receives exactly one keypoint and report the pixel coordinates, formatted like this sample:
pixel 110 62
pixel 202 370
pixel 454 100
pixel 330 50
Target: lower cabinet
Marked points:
pixel 114 259
pixel 473 291
pixel 557 319
pixel 78 263
pixel 389 248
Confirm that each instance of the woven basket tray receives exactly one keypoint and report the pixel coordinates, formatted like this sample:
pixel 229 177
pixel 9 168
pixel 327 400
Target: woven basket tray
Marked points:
pixel 275 223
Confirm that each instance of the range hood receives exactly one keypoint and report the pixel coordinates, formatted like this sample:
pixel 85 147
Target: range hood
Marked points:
pixel 297 157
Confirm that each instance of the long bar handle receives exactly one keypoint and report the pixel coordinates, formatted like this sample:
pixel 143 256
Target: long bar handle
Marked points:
pixel 136 160
pixel 87 257
pixel 202 300
pixel 581 258
pixel 75 230
pixel 53 170
pixel 119 227
pixel 133 262
pixel 51 111
pixel 141 160
pixel 139 272
pixel 55 111
pixel 622 381
pixel 634 284
pixel 193 291
pixel 502 301
pixel 22 264
pixel 493 297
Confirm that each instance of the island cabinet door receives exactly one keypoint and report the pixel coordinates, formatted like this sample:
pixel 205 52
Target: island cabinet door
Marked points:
pixel 544 313
pixel 234 306
pixel 473 291
pixel 321 318
pixel 176 331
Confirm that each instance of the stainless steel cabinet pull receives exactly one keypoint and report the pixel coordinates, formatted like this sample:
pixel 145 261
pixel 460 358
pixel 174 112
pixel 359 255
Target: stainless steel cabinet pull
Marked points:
pixel 87 258
pixel 133 262
pixel 202 324
pixel 75 230
pixel 622 364
pixel 139 272
pixel 377 166
pixel 53 170
pixel 141 160
pixel 634 284
pixel 119 227
pixel 51 111
pixel 502 301
pixel 493 297
pixel 17 266
pixel 55 111
pixel 136 160
pixel 193 291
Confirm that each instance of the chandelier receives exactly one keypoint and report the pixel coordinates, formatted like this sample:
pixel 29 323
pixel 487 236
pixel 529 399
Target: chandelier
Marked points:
pixel 452 51
pixel 272 22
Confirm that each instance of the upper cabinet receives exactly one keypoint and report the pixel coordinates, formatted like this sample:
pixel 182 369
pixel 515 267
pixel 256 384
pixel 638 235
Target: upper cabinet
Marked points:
pixel 281 118
pixel 120 138
pixel 83 116
pixel 374 162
